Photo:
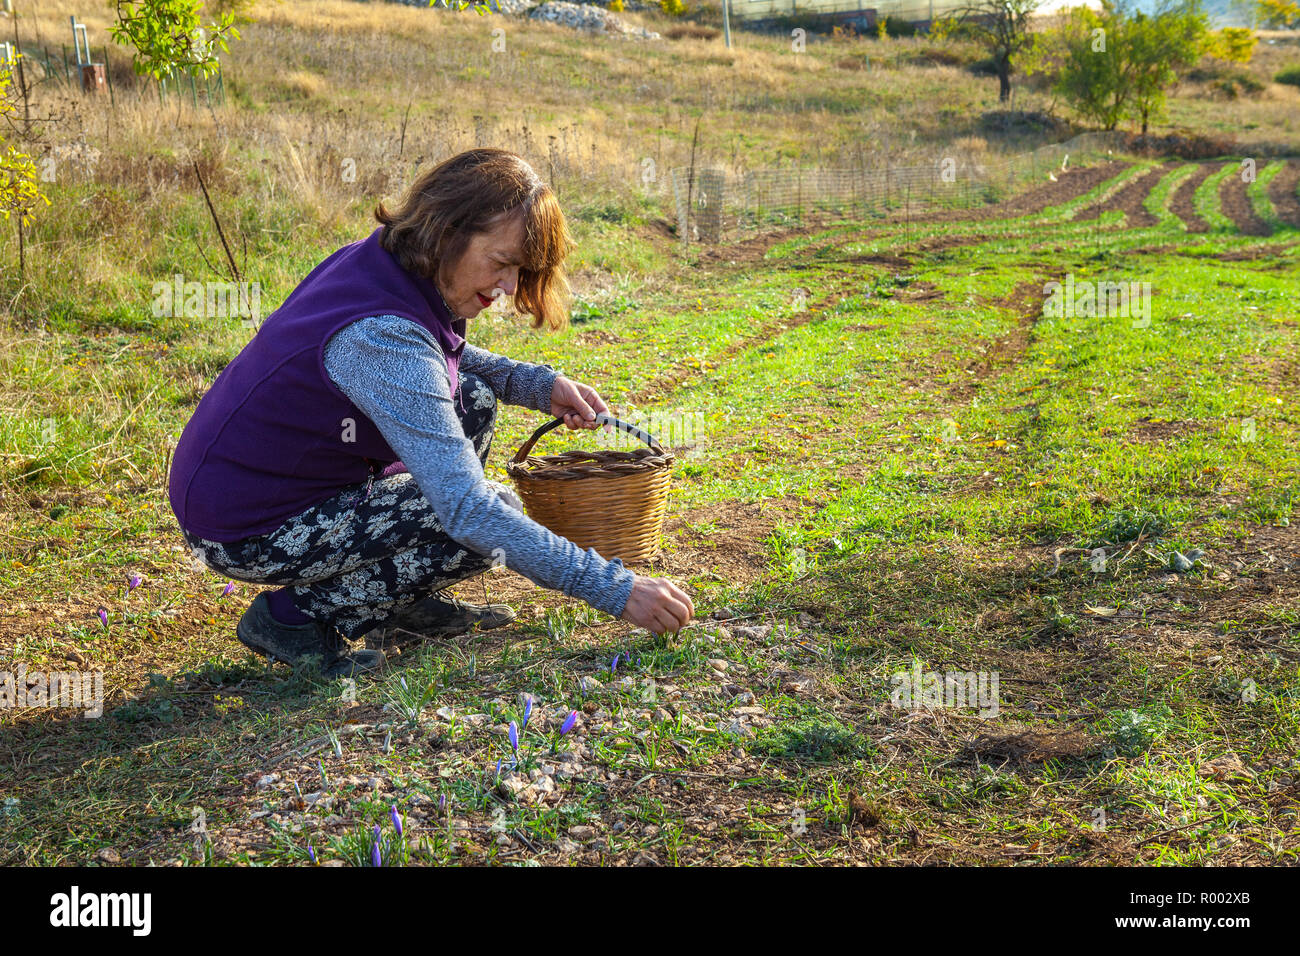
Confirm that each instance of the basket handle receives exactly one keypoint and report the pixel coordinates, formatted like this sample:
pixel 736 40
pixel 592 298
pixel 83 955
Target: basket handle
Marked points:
pixel 601 419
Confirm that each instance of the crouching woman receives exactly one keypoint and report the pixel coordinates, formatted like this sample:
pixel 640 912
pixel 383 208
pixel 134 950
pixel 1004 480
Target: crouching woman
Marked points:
pixel 339 456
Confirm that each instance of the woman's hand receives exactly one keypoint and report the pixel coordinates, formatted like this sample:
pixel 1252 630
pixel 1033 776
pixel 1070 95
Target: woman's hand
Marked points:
pixel 658 605
pixel 576 403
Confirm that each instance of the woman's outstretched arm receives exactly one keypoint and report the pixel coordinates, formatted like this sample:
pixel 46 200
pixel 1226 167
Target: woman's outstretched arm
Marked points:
pixel 394 371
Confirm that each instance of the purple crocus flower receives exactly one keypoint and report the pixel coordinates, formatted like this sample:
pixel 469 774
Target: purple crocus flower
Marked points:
pixel 498 768
pixel 568 723
pixel 528 711
pixel 311 854
pixel 376 858
pixel 133 582
pixel 614 666
pixel 514 738
pixel 442 804
pixel 103 616
pixel 230 586
pixel 397 820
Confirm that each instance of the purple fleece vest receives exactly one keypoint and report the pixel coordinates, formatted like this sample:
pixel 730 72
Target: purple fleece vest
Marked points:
pixel 274 435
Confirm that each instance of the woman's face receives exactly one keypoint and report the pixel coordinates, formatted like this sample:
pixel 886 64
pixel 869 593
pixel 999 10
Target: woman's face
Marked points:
pixel 489 267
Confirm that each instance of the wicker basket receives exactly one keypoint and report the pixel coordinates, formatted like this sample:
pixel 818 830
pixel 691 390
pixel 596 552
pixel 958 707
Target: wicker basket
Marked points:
pixel 613 501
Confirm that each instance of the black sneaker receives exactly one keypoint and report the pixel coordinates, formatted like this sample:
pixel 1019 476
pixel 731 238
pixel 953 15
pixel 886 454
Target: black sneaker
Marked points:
pixel 438 615
pixel 292 643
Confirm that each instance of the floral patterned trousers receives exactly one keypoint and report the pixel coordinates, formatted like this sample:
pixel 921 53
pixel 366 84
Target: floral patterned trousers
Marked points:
pixel 361 556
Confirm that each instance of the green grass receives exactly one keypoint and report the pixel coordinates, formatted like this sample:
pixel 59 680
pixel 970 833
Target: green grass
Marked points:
pixel 941 463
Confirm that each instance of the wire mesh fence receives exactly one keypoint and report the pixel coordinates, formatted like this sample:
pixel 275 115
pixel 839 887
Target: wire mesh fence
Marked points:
pixel 713 205
pixel 209 88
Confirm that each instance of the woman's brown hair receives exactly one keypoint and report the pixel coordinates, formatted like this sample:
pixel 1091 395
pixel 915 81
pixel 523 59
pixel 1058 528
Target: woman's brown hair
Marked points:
pixel 467 194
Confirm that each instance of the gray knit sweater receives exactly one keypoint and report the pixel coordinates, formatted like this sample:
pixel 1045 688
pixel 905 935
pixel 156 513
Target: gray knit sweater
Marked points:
pixel 395 372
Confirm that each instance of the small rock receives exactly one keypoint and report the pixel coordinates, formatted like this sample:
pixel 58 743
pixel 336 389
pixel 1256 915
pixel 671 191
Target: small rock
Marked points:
pixel 565 845
pixel 1179 562
pixel 800 685
pixel 108 855
pixel 718 664
pixel 512 785
pixel 268 780
pixel 723 614
pixel 1226 767
pixel 590 683
pixel 582 832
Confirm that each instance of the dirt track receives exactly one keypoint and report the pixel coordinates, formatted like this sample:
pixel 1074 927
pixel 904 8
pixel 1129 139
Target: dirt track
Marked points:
pixel 1282 191
pixel 1235 204
pixel 1181 203
pixel 1129 200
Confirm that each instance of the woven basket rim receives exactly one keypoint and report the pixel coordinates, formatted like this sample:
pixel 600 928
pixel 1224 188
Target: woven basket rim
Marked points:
pixel 542 467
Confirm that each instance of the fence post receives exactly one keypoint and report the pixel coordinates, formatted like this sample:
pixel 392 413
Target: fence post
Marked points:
pixel 108 74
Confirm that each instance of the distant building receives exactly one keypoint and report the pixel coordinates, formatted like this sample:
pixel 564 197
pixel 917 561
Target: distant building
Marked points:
pixel 862 15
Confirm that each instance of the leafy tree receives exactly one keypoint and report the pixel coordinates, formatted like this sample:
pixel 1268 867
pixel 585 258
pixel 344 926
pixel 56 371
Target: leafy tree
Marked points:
pixel 1234 44
pixel 1156 47
pixel 168 35
pixel 1279 13
pixel 19 189
pixel 1091 78
pixel 1116 64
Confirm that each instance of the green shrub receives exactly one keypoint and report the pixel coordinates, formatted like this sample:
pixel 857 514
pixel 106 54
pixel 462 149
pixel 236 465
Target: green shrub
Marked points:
pixel 896 27
pixel 1134 731
pixel 1236 83
pixel 813 739
pixel 1289 75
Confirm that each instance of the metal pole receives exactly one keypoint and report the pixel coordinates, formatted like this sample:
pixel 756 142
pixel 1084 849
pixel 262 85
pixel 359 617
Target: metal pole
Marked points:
pixel 112 100
pixel 726 23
